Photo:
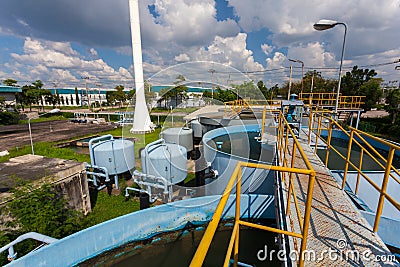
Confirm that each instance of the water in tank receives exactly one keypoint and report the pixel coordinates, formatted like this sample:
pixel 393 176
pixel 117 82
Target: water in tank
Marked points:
pixel 117 155
pixel 166 160
pixel 179 136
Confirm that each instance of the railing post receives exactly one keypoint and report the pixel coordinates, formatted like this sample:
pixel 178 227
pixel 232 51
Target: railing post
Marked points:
pixel 310 125
pixel 307 215
pixel 346 166
pixel 317 134
pixel 358 173
pixel 383 189
pixel 286 145
pixel 328 141
pixel 263 122
pixel 237 217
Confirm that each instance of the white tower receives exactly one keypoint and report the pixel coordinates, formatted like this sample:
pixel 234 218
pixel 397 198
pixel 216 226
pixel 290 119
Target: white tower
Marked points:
pixel 141 120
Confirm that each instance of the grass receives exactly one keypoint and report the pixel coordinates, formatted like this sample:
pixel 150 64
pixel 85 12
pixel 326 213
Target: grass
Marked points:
pixel 47 149
pixel 175 110
pixel 41 119
pixel 106 207
pixel 110 207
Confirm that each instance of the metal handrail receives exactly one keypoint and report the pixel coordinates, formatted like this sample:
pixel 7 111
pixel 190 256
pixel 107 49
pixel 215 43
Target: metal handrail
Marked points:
pixel 236 177
pixel 329 99
pixel 366 147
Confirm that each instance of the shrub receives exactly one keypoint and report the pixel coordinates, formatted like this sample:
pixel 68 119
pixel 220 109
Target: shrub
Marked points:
pixel 8 118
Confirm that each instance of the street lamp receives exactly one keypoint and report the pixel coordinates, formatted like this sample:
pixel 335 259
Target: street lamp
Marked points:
pixel 302 71
pixel 325 24
pixel 56 110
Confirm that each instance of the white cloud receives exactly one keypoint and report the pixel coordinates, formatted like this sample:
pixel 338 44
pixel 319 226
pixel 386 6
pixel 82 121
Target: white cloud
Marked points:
pixel 56 61
pixel 267 49
pixel 93 53
pixel 182 58
pixel 371 24
pixel 312 54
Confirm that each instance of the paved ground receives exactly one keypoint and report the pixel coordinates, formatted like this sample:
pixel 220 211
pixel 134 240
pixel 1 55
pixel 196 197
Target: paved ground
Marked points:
pixel 12 136
pixel 374 114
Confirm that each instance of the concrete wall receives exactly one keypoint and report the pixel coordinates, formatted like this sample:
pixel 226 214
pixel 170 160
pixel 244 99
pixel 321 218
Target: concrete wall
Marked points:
pixel 75 189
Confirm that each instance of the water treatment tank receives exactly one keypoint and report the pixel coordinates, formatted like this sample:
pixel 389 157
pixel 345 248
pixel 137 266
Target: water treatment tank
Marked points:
pixel 166 160
pixel 179 136
pixel 197 129
pixel 117 155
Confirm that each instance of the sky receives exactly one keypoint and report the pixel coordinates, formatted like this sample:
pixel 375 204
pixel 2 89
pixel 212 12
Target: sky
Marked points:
pixel 61 41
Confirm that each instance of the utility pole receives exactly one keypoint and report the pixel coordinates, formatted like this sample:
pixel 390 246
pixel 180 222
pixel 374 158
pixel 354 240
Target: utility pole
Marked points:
pixel 229 82
pixel 212 82
pixel 55 92
pixel 302 71
pixel 85 78
pixel 290 82
pixel 99 91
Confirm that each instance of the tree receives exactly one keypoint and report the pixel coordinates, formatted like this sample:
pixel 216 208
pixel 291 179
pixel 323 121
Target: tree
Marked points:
pixel 268 93
pixel 51 98
pixel 393 104
pixel 42 210
pixel 76 97
pixel 372 92
pixel 352 81
pixel 10 82
pixel 119 95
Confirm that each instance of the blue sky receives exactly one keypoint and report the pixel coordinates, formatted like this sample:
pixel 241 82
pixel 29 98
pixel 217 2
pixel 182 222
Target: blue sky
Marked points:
pixel 61 41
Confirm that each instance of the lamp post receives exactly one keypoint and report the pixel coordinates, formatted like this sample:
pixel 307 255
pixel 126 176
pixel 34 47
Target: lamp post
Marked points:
pixel 302 71
pixel 290 82
pixel 325 24
pixel 56 110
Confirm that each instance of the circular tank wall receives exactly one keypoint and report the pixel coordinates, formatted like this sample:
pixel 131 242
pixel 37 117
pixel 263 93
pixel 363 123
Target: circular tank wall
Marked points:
pixel 116 155
pixel 242 143
pixel 179 136
pixel 165 160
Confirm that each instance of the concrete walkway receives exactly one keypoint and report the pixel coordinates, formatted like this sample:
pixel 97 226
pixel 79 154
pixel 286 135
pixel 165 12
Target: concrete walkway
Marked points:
pixel 336 224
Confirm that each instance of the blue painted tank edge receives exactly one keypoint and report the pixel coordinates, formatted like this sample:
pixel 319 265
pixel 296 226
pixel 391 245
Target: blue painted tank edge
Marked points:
pixel 140 225
pixel 229 130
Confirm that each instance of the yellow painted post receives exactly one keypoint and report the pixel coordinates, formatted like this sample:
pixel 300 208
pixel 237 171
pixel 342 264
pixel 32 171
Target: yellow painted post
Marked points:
pixel 286 145
pixel 317 134
pixel 205 242
pixel 310 126
pixel 263 122
pixel 383 189
pixel 237 216
pixel 346 166
pixel 289 194
pixel 360 167
pixel 293 158
pixel 328 141
pixel 307 215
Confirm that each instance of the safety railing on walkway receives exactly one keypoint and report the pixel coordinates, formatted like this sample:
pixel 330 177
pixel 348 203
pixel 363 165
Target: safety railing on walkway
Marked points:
pixel 237 106
pixel 358 139
pixel 329 100
pixel 288 148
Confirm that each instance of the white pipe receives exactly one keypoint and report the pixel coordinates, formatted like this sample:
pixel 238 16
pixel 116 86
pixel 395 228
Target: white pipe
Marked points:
pixel 104 137
pixel 31 235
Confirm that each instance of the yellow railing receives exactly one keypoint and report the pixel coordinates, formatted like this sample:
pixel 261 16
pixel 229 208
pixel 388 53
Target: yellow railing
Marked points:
pixel 329 99
pixel 236 106
pixel 287 149
pixel 357 138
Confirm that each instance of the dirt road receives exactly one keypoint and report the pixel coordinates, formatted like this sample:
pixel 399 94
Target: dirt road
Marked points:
pixel 12 136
